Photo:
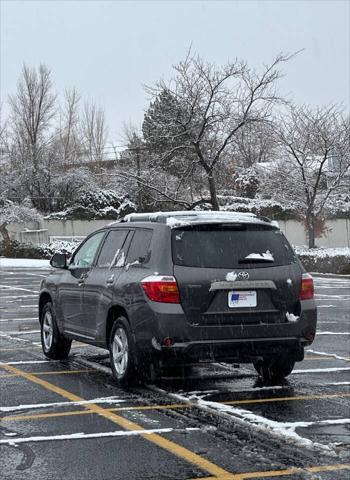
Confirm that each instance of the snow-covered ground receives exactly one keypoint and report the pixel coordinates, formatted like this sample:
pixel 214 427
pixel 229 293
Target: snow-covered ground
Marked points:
pixel 23 262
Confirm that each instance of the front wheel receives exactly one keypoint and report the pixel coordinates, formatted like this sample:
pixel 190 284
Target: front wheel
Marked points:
pixel 274 369
pixel 54 344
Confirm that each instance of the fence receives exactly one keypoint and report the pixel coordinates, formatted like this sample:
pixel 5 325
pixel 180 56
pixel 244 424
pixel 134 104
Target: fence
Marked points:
pixel 338 231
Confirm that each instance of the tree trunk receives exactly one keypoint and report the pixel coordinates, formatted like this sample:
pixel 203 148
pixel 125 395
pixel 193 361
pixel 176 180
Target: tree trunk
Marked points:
pixel 310 222
pixel 5 234
pixel 213 195
pixel 138 172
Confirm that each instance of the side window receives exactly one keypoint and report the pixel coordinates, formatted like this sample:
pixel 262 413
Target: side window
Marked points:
pixel 86 253
pixel 139 248
pixel 112 248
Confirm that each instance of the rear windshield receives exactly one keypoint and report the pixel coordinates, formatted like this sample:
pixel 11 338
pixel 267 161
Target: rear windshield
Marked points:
pixel 217 246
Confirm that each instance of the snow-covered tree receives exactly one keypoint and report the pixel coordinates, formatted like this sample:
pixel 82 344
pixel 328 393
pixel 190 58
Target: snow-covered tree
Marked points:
pixel 196 116
pixel 11 212
pixel 314 146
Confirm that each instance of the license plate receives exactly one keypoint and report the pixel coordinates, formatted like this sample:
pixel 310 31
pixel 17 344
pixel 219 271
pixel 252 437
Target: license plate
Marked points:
pixel 241 299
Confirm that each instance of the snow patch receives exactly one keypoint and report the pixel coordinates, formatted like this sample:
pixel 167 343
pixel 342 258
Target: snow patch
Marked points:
pixel 231 277
pixel 267 256
pixel 291 317
pixel 23 263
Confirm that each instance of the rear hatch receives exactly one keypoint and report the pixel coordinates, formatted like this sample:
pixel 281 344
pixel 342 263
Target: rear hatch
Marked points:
pixel 231 274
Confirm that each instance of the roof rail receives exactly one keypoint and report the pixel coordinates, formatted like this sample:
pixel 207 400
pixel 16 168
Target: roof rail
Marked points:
pixel 161 217
pixel 194 216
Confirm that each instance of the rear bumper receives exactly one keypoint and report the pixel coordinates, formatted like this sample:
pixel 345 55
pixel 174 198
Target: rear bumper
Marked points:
pixel 240 350
pixel 240 343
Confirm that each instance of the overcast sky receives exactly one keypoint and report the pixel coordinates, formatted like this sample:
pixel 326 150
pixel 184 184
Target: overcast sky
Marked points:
pixel 108 49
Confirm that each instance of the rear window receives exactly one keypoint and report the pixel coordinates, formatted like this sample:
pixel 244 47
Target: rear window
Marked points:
pixel 244 246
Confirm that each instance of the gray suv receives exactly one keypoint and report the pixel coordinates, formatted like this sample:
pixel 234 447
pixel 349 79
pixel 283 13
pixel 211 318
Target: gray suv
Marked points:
pixel 166 289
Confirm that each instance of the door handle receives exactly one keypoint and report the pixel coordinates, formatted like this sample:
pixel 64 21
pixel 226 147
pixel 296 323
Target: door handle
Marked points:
pixel 82 279
pixel 110 280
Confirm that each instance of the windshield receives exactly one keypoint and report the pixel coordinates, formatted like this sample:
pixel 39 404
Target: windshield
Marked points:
pixel 218 246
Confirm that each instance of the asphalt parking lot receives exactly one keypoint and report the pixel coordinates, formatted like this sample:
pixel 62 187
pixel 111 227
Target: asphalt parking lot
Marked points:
pixel 69 420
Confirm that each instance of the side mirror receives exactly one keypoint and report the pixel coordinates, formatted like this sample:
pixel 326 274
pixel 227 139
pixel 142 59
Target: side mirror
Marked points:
pixel 59 260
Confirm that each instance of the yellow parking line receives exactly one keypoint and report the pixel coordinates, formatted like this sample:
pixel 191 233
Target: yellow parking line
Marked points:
pixel 11 418
pixel 37 416
pixel 155 438
pixel 279 473
pixel 53 372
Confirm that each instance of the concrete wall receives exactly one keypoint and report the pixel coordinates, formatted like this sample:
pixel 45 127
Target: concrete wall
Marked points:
pixel 338 234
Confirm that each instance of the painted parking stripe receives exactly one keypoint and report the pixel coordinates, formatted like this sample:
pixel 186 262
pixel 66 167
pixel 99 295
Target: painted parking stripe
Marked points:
pixel 29 319
pixel 154 438
pixel 19 332
pixel 320 370
pixel 325 354
pixel 118 433
pixel 15 287
pixel 51 372
pixel 33 406
pixel 332 333
pixel 189 404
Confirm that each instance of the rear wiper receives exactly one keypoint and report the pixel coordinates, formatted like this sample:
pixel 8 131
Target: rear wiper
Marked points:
pixel 256 260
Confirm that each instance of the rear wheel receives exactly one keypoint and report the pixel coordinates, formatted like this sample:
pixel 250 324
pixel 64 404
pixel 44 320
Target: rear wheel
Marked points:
pixel 54 344
pixel 122 352
pixel 274 369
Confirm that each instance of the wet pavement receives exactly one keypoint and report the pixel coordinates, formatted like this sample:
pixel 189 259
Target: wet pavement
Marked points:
pixel 69 420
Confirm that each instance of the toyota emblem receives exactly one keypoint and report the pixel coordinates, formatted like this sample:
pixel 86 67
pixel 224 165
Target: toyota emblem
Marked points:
pixel 243 275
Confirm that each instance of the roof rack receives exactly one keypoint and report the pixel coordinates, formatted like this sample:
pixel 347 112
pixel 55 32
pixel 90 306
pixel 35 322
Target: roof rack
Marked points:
pixel 178 218
pixel 162 217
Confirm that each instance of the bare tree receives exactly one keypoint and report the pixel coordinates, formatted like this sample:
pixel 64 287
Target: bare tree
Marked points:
pixel 94 132
pixel 69 134
pixel 255 143
pixel 32 109
pixel 137 155
pixel 197 115
pixel 315 151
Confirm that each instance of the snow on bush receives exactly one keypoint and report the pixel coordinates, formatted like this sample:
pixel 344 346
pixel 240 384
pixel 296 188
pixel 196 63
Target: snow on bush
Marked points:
pixel 259 206
pixel 104 204
pixel 58 246
pixel 246 182
pixel 322 252
pixel 325 260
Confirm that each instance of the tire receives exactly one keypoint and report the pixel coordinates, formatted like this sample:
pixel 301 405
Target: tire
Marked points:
pixel 274 369
pixel 122 353
pixel 55 346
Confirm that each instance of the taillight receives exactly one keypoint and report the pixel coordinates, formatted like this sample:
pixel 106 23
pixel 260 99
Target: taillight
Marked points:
pixel 161 288
pixel 307 287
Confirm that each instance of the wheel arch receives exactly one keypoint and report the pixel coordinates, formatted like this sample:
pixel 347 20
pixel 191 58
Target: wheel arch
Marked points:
pixel 114 312
pixel 44 298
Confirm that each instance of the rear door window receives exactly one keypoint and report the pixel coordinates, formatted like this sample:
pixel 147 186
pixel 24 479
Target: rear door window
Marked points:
pixel 244 246
pixel 111 253
pixel 139 251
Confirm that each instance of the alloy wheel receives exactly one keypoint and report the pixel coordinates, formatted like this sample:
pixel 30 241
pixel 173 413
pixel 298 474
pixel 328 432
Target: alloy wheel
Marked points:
pixel 47 330
pixel 120 349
